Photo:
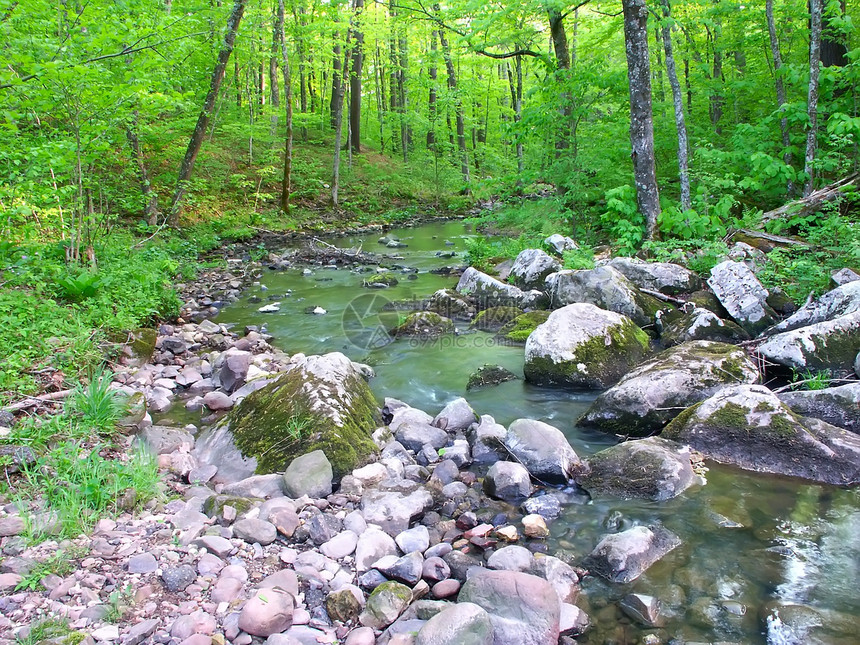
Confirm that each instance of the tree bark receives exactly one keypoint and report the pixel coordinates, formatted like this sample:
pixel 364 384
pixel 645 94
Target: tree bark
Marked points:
pixel 678 102
pixel 355 80
pixel 780 88
pixel 562 58
pixel 300 47
pixel 517 103
pixel 405 130
pixel 150 210
pixel 336 66
pixel 814 201
pixel 834 52
pixel 199 133
pixel 812 96
pixel 717 77
pixel 458 107
pixel 338 124
pixel 641 117
pixel 274 90
pixel 431 99
pixel 286 183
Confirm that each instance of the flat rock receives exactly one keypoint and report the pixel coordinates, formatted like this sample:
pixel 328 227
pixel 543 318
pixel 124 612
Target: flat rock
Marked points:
pixel 623 557
pixel 838 406
pixel 464 623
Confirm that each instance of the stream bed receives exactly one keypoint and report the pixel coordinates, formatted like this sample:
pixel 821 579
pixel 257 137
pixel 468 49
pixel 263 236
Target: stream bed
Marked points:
pixel 764 559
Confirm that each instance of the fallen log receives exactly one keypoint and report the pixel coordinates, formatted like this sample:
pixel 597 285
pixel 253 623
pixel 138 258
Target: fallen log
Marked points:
pixel 814 201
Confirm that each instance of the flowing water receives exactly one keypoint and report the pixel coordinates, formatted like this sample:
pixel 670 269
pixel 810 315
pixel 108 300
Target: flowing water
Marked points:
pixel 764 559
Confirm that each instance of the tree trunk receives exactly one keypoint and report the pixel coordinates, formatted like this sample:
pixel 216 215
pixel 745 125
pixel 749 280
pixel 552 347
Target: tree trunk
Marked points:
pixel 275 98
pixel 717 77
pixel 379 81
pixel 834 52
pixel 405 130
pixel 780 88
pixel 678 102
pixel 150 211
pixel 335 78
pixel 517 103
pixel 641 118
pixel 300 47
pixel 286 184
pixel 458 107
pixel 812 96
pixel 355 81
pixel 199 133
pixel 338 123
pixel 431 99
pixel 562 58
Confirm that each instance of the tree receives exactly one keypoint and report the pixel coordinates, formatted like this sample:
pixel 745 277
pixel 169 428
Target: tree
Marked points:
pixel 678 104
pixel 780 88
pixel 812 95
pixel 286 183
pixel 355 80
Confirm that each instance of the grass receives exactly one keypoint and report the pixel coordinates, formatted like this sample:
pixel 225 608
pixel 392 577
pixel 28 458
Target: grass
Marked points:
pixel 54 630
pixel 61 563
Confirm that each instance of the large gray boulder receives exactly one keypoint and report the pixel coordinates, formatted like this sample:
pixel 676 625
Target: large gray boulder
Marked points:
pixel 487 292
pixel 652 468
pixel 749 427
pixel 664 277
pixel 838 406
pixel 583 346
pixel 456 415
pixel 623 557
pixel 463 623
pixel 743 296
pixel 680 326
pixel 560 243
pixel 310 475
pixel 834 304
pixel 508 481
pixel 605 287
pixel 485 439
pixel 523 608
pixel 543 450
pixel 659 389
pixel 531 268
pixel 830 344
pixel 450 304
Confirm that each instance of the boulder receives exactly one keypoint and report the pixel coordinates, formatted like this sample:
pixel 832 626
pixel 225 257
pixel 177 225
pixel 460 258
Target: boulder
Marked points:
pixel 531 268
pixel 743 296
pixel 310 475
pixel 680 326
pixel 463 623
pixel 450 304
pixel 543 450
pixel 604 287
pixel 662 387
pixel 489 292
pixel 581 345
pixel 393 511
pixel 652 468
pixel 560 243
pixel 494 318
pixel 234 369
pixel 413 435
pixel 749 427
pixel 523 609
pixel 623 557
pixel 321 403
pixel 508 481
pixel 830 344
pixel 838 406
pixel 486 439
pixel 836 303
pixel 456 415
pixel 423 324
pixel 664 277
pixel 385 605
pixel 267 612
pixel 518 330
pixel 488 376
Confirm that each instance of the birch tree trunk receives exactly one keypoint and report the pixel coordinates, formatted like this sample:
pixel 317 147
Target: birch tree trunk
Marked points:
pixel 678 103
pixel 812 96
pixel 780 88
pixel 641 117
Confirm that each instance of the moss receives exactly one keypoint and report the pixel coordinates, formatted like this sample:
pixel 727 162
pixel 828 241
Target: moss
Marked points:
pixel 423 324
pixel 520 328
pixel 488 375
pixel 676 426
pixel 495 318
pixel 214 506
pixel 388 279
pixel 264 424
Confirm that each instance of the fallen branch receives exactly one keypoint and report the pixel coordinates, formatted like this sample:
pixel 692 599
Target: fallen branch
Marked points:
pixel 31 401
pixel 777 239
pixel 814 201
pixel 831 381
pixel 663 296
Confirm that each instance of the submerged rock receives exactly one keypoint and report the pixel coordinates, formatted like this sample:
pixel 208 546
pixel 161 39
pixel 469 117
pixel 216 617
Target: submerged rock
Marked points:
pixel 838 406
pixel 749 427
pixel 489 292
pixel 830 344
pixel 743 296
pixel 531 268
pixel 489 375
pixel 658 390
pixel 581 345
pixel 494 318
pixel 623 557
pixel 664 277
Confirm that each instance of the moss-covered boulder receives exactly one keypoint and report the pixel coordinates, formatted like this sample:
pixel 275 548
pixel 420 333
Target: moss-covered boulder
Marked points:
pixel 831 344
pixel 659 389
pixel 583 346
pixel 664 277
pixel 839 406
pixel 531 268
pixel 487 291
pixel 520 328
pixel 380 281
pixel 423 324
pixel 679 326
pixel 322 403
pixel 494 318
pixel 450 304
pixel 489 375
pixel 749 427
pixel 838 302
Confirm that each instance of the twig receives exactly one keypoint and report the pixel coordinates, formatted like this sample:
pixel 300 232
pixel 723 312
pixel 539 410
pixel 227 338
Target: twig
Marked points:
pixel 810 380
pixel 663 296
pixel 30 401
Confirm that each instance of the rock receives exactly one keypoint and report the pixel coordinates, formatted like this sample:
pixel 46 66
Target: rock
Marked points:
pixel 311 475
pixel 8 582
pixel 623 557
pixel 385 604
pixel 642 608
pixel 178 578
pixel 531 268
pixel 680 326
pixel 488 376
pixel 534 526
pixel 743 296
pixel 142 563
pixel 372 545
pixel 664 277
pixel 450 304
pixel 414 435
pixel 423 324
pixel 749 427
pixel 270 309
pixel 834 304
pixel 163 440
pixel 604 287
pixel 262 486
pixel 838 406
pixel 457 415
pixel 343 605
pixel 217 401
pixel 520 328
pixel 255 530
pixel 559 574
pixel 414 539
pixel 435 569
pixel 652 468
pixel 11 525
pixel 381 280
pixel 394 511
pixel 511 558
pixel 340 546
pixel 267 612
pixel 832 344
pixel 486 439
pixel 573 620
pixel 446 589
pixel 560 243
pixel 139 632
pixel 461 624
pixel 234 369
pixel 844 276
pixel 222 547
pixel 107 633
pixel 489 292
pixel 547 506
pixel 494 318
pixel 361 636
pixel 508 481
pixel 581 345
pixel 543 450
pixel 321 403
pixel 407 569
pixel 523 609
pixel 659 389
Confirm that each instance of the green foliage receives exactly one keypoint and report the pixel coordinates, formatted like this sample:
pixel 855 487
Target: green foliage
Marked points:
pixel 61 563
pixel 75 288
pixel 697 255
pixel 53 630
pixel 484 253
pixel 622 219
pixel 811 380
pixel 581 258
pixel 98 405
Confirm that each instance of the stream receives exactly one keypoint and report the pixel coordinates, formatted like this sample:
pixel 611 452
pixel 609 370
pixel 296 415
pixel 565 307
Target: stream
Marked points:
pixel 764 559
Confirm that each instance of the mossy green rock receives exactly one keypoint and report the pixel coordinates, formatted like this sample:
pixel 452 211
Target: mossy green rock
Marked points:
pixel 494 318
pixel 489 375
pixel 423 324
pixel 520 328
pixel 583 346
pixel 379 280
pixel 214 506
pixel 831 344
pixel 385 604
pixel 323 403
pixel 749 427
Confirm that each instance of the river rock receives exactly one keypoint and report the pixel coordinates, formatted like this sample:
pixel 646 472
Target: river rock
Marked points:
pixel 507 480
pixel 838 406
pixel 234 369
pixel 407 569
pixel 415 435
pixel 743 296
pixel 488 376
pixel 340 546
pixel 321 403
pixel 560 243
pixel 385 604
pixel 659 389
pixel 489 292
pixel 393 511
pixel 511 558
pixel 267 612
pixel 581 345
pixel 623 557
pixel 414 539
pixel 178 578
pixel 836 303
pixel 749 427
pixel 680 326
pixel 464 623
pixel 642 608
pixel 494 318
pixel 486 438
pixel 255 530
pixel 423 324
pixel 531 268
pixel 652 468
pixel 217 401
pixel 604 287
pixel 456 415
pixel 664 277
pixel 373 544
pixel 523 609
pixel 520 328
pixel 310 475
pixel 543 450
pixel 344 605
pixel 831 344
pixel 450 304
pixel 163 440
